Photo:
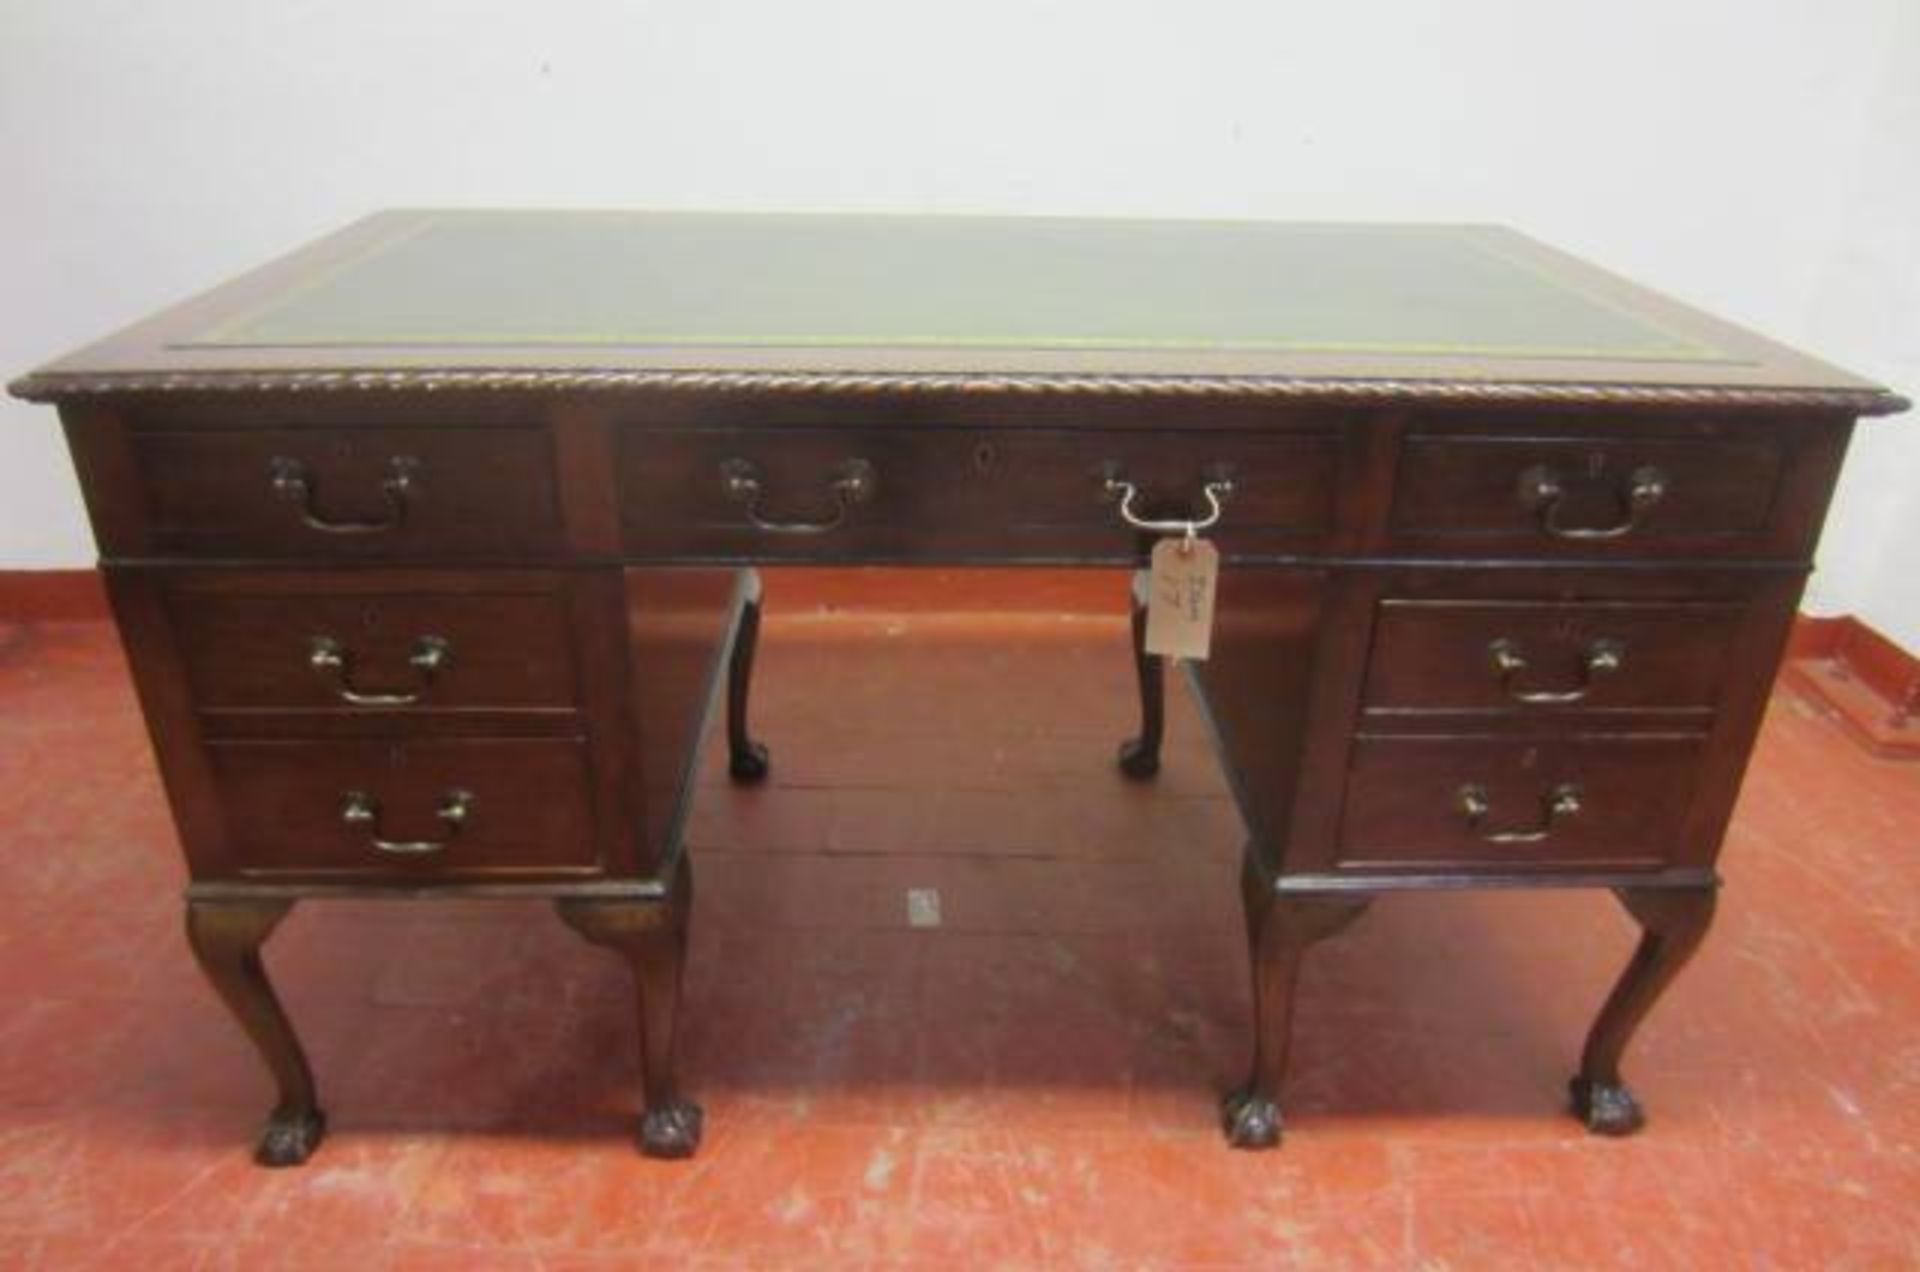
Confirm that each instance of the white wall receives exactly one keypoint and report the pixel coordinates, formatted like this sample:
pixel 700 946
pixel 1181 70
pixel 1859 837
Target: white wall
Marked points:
pixel 1757 157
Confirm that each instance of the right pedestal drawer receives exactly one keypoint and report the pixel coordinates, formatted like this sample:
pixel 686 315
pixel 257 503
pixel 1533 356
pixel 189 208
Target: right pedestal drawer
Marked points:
pixel 1528 722
pixel 1533 657
pixel 1493 804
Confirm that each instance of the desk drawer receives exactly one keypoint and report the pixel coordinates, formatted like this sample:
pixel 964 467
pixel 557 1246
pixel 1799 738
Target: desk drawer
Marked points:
pixel 373 642
pixel 801 492
pixel 395 809
pixel 1489 805
pixel 1588 494
pixel 1531 657
pixel 348 492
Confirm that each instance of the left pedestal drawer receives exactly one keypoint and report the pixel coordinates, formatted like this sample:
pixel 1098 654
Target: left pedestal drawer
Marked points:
pixel 394 809
pixel 366 642
pixel 346 493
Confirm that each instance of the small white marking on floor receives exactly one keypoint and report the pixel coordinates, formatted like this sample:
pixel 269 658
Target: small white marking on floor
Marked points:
pixel 923 907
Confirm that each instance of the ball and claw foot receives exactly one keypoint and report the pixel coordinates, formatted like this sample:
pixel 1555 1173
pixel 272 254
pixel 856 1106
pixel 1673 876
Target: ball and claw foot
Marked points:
pixel 751 763
pixel 290 1137
pixel 1138 761
pixel 1251 1120
pixel 1606 1108
pixel 672 1130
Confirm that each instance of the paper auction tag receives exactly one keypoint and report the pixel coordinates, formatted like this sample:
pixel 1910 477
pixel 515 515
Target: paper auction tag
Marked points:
pixel 1180 597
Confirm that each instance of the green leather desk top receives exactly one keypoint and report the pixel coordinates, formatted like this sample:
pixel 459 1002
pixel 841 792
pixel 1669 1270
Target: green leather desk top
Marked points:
pixel 883 296
pixel 853 282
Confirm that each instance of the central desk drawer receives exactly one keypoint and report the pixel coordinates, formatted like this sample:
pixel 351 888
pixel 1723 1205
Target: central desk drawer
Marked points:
pixel 384 809
pixel 1537 657
pixel 374 642
pixel 1490 805
pixel 349 492
pixel 813 492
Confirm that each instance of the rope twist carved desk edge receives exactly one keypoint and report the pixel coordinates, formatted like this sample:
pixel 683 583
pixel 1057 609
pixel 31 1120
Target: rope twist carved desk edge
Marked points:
pixel 56 386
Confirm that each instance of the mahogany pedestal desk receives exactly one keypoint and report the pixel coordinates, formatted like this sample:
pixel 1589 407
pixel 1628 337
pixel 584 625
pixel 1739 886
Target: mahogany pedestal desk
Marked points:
pixel 429 545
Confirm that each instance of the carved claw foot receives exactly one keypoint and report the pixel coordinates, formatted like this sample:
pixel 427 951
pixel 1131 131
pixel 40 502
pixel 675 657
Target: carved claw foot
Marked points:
pixel 749 764
pixel 290 1137
pixel 672 1130
pixel 1607 1108
pixel 1137 760
pixel 1251 1120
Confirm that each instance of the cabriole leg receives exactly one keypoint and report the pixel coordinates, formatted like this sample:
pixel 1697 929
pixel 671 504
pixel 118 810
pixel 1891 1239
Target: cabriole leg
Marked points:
pixel 652 937
pixel 1140 756
pixel 1673 922
pixel 1281 927
pixel 747 760
pixel 226 936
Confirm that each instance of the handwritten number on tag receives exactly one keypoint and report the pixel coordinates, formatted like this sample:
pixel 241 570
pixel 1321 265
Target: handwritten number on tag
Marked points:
pixel 1180 590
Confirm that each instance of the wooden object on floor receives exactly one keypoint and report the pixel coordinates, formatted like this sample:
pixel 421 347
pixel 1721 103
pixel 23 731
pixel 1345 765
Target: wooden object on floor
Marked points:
pixel 1871 685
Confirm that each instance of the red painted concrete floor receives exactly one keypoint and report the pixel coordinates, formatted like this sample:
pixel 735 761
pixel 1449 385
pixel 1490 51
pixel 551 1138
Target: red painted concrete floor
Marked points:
pixel 1031 1084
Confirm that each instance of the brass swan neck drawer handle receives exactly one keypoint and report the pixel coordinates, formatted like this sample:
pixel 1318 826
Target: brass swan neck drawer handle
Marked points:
pixel 1558 804
pixel 431 655
pixel 1217 490
pixel 1542 491
pixel 851 484
pixel 1603 657
pixel 361 811
pixel 294 483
